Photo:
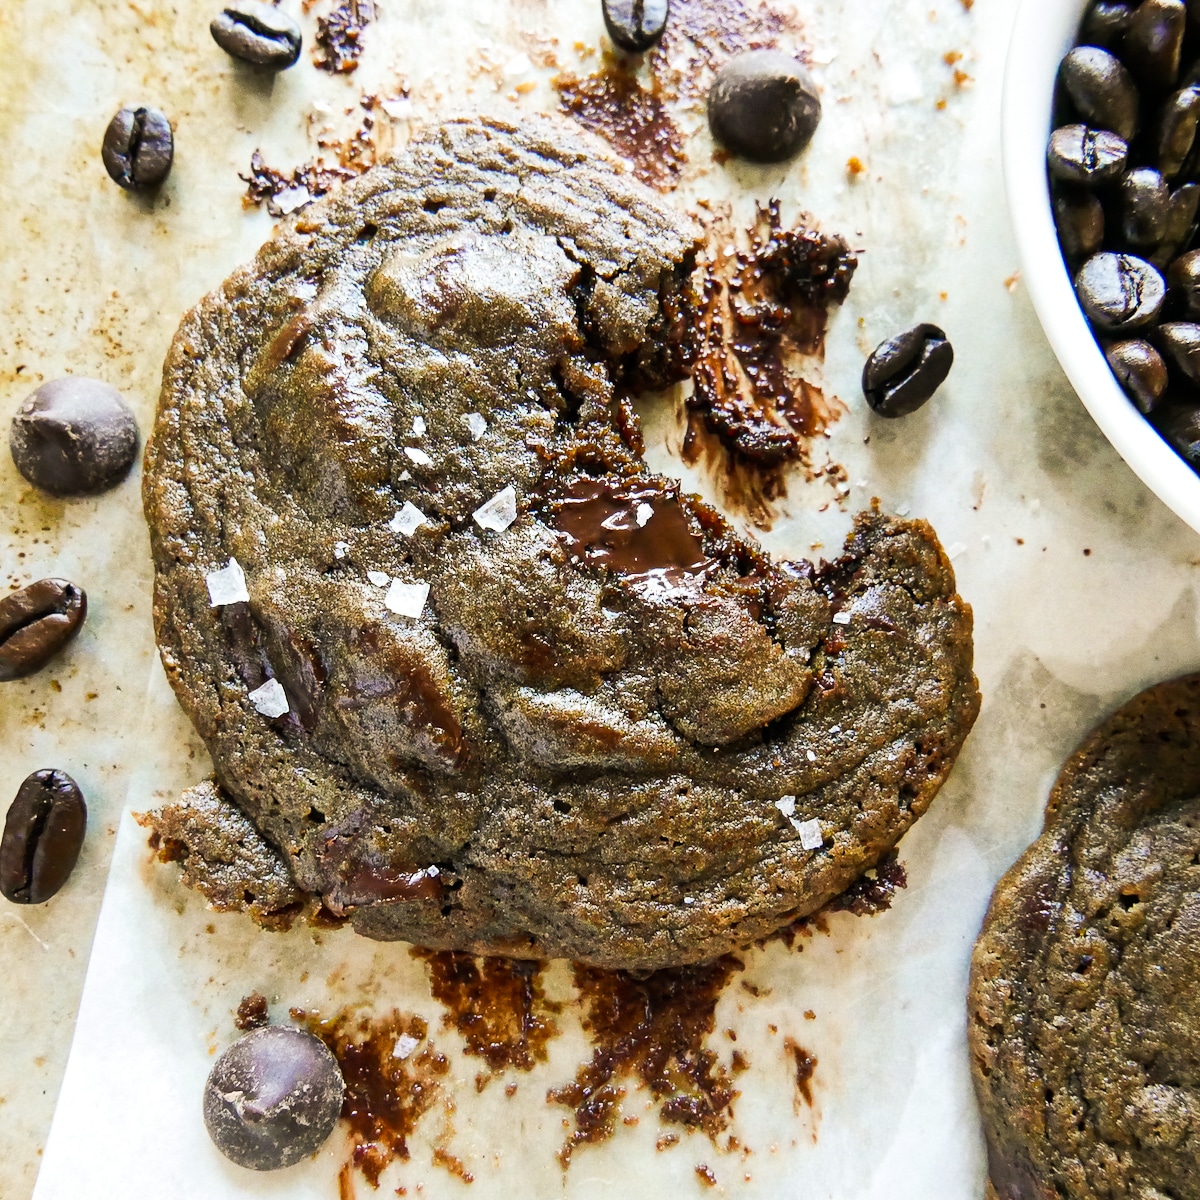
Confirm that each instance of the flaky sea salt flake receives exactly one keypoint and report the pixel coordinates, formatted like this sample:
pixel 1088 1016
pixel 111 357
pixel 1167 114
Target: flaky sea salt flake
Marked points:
pixel 786 805
pixel 644 513
pixel 379 578
pixel 405 1045
pixel 499 512
pixel 227 586
pixel 419 427
pixel 270 699
pixel 811 837
pixel 841 618
pixel 408 520
pixel 476 424
pixel 810 756
pixel 341 549
pixel 418 456
pixel 406 599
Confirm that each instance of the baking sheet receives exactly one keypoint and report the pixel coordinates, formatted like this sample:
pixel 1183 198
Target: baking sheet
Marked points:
pixel 1083 587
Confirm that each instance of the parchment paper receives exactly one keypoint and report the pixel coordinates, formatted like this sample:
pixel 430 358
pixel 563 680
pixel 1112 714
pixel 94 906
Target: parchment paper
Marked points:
pixel 1083 588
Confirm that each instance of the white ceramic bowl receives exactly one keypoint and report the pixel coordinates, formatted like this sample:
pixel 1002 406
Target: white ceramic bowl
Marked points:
pixel 1043 32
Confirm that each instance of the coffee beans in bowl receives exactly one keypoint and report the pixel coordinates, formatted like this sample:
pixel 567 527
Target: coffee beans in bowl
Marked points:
pixel 43 834
pixel 36 622
pixel 1123 161
pixel 74 437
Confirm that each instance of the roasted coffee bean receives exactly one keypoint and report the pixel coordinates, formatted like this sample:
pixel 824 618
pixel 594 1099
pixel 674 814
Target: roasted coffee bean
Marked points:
pixel 36 622
pixel 1119 292
pixel 1174 131
pixel 1101 89
pixel 903 372
pixel 1144 202
pixel 635 25
pixel 74 437
pixel 138 148
pixel 1179 426
pixel 43 835
pixel 1183 278
pixel 763 105
pixel 1140 370
pixel 1086 156
pixel 1079 218
pixel 1180 342
pixel 1181 216
pixel 257 33
pixel 1153 43
pixel 1105 23
pixel 273 1098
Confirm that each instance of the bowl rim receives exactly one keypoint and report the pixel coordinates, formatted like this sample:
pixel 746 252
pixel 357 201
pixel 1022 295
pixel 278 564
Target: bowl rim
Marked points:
pixel 1042 33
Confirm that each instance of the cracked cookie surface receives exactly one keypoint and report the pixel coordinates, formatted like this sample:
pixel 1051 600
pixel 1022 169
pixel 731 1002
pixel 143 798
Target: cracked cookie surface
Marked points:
pixel 539 702
pixel 1084 1006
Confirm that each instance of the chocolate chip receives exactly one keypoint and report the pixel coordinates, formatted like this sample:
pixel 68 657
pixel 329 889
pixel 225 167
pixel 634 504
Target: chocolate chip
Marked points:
pixel 1119 291
pixel 257 33
pixel 43 834
pixel 635 25
pixel 1101 89
pixel 74 437
pixel 904 371
pixel 764 106
pixel 273 1098
pixel 36 622
pixel 1086 156
pixel 1140 370
pixel 138 148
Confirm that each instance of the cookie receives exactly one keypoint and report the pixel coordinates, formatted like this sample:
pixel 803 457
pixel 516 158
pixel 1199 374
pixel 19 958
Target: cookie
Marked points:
pixel 480 678
pixel 1085 982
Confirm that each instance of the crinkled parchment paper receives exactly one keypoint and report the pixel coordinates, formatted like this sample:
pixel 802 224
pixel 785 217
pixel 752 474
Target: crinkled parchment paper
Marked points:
pixel 1083 588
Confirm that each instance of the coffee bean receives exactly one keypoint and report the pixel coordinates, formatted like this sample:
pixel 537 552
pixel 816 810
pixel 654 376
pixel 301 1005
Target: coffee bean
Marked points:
pixel 273 1098
pixel 43 835
pixel 1101 89
pixel 74 436
pixel 635 25
pixel 1144 201
pixel 1153 43
pixel 1181 217
pixel 1174 131
pixel 138 148
pixel 1140 370
pixel 257 33
pixel 906 370
pixel 36 622
pixel 1079 219
pixel 1179 426
pixel 1183 278
pixel 763 105
pixel 1086 156
pixel 1105 23
pixel 1180 342
pixel 1119 292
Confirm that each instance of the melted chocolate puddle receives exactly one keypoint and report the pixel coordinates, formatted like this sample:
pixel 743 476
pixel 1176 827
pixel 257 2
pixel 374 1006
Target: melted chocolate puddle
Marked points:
pixel 631 118
pixel 387 1091
pixel 652 1030
pixel 497 1005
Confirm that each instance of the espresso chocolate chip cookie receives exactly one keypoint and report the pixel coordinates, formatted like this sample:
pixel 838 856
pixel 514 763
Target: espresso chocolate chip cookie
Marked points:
pixel 1085 983
pixel 476 676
